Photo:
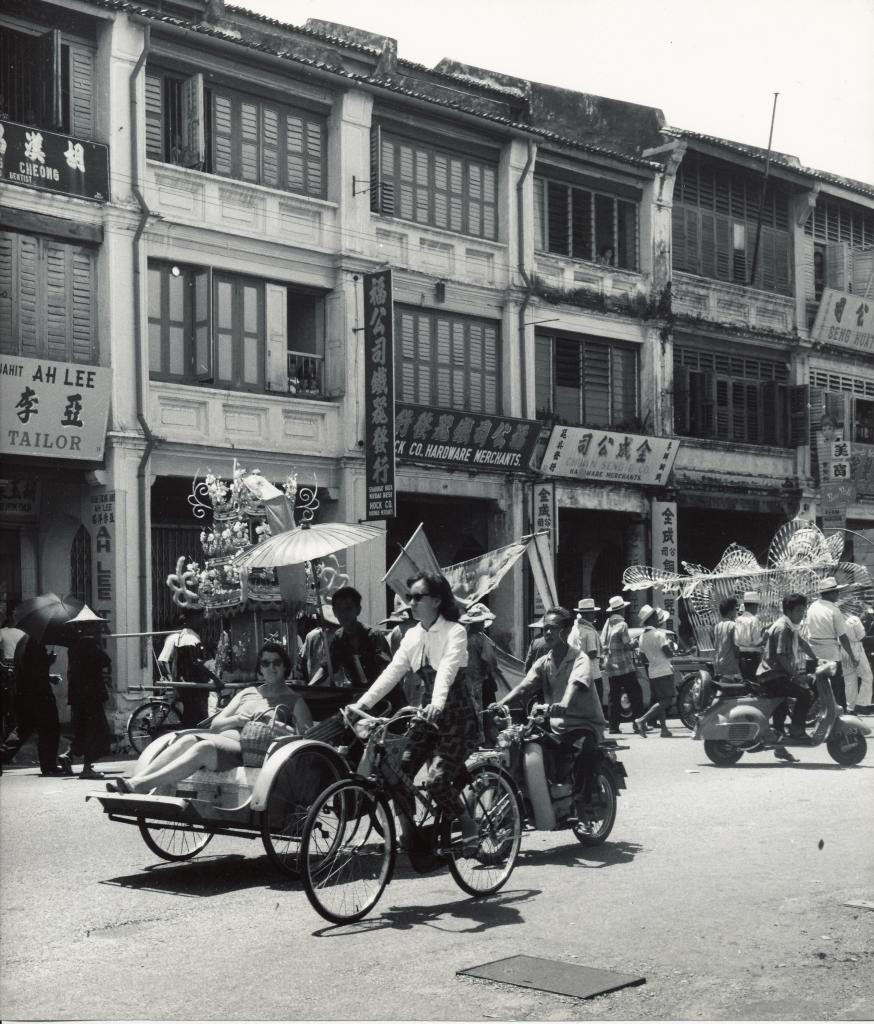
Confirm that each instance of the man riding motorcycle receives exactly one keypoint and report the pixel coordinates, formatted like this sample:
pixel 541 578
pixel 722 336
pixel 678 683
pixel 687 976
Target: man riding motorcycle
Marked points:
pixel 563 676
pixel 778 671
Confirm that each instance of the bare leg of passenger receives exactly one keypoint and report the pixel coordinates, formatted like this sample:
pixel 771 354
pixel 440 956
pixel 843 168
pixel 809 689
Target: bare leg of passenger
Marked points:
pixel 201 755
pixel 164 757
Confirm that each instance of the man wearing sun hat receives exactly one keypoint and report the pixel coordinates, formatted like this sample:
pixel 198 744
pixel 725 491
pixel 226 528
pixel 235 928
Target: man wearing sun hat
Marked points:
pixel 619 665
pixel 827 633
pixel 482 662
pixel 584 636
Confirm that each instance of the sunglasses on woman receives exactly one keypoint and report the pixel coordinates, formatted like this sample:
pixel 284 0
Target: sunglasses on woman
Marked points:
pixel 417 597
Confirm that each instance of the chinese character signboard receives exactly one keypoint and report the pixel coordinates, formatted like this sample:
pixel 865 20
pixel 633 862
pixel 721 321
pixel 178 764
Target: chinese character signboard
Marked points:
pixel 845 319
pixel 40 159
pixel 19 499
pixel 664 550
pixel 379 391
pixel 444 437
pixel 588 454
pixel 543 518
pixel 53 410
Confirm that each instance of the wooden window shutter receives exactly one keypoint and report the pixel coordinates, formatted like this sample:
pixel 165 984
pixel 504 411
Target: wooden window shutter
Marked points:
pixel 48 56
pixel 722 409
pixel 441 191
pixel 81 91
pixel 596 384
pixel 57 285
pixel 404 176
pixel 681 399
pixel 375 169
pixel 837 257
pixel 8 296
pixel 863 273
pixel 708 244
pixel 723 249
pixel 816 405
pixel 540 214
pixel 202 324
pixel 192 121
pixel 250 164
pixel 444 363
pixel 315 159
pixel 678 238
pixel 421 178
pixel 154 117
pixel 491 371
pixel 270 147
pixel 782 275
pixel 692 246
pixel 223 134
pixel 799 415
pixel 773 412
pixel 559 218
pixel 276 300
pixel 543 399
pixel 425 360
pixel 29 298
pixel 387 181
pixel 83 340
pixel 295 158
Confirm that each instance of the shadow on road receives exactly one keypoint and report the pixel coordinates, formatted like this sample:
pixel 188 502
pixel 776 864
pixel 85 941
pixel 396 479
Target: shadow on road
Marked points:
pixel 808 767
pixel 207 876
pixel 481 914
pixel 571 854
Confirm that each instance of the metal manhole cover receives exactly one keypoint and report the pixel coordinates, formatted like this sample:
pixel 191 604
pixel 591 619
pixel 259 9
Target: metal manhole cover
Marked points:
pixel 554 976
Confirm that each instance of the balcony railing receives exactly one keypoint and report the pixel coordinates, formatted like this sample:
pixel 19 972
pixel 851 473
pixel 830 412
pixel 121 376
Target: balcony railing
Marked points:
pixel 306 376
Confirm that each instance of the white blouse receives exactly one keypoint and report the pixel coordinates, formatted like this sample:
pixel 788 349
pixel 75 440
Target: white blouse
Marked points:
pixel 443 646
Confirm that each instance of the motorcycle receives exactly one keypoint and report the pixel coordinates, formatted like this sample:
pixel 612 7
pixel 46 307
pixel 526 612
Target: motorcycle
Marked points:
pixel 548 772
pixel 734 719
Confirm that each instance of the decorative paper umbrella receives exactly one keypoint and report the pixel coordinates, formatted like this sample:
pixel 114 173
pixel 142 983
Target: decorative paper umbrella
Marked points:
pixel 43 617
pixel 304 544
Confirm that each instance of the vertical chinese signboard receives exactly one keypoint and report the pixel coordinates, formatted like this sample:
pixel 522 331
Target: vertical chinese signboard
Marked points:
pixel 379 396
pixel 664 549
pixel 837 489
pixel 543 518
pixel 106 511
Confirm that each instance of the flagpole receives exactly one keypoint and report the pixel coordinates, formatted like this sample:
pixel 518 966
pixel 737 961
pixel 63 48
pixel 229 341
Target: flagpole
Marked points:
pixel 762 196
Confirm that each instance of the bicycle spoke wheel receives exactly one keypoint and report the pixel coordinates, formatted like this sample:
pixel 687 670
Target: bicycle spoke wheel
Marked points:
pixel 296 785
pixel 151 720
pixel 171 840
pixel 482 866
pixel 347 851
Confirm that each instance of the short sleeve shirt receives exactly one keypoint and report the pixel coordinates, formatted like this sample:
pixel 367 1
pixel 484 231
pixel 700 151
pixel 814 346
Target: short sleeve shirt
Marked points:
pixel 781 639
pixel 825 623
pixel 585 637
pixel 552 679
pixel 616 643
pixel 650 645
pixel 725 660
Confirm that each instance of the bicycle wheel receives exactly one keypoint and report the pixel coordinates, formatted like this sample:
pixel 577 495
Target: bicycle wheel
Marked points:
pixel 483 866
pixel 171 840
pixel 297 784
pixel 151 720
pixel 347 851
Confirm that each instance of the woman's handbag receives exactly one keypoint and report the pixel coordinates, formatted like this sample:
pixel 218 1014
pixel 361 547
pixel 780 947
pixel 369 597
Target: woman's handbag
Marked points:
pixel 257 735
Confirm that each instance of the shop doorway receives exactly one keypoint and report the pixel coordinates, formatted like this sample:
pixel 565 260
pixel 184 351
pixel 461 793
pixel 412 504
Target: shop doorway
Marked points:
pixel 592 555
pixel 704 534
pixel 458 528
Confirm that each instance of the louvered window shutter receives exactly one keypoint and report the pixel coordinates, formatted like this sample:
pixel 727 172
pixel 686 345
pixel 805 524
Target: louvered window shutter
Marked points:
pixel 82 93
pixel 202 318
pixel 83 335
pixel 29 297
pixel 708 244
pixel 681 399
pixel 723 249
pixel 405 170
pixel 491 375
pixel 773 412
pixel 596 384
pixel 475 359
pixel 193 126
pixel 223 134
pixel 799 415
pixel 540 214
pixel 154 117
pixel 270 147
pixel 422 189
pixel 816 398
pixel 692 246
pixel 490 204
pixel 388 190
pixel 408 357
pixel 295 160
pixel 623 385
pixel 444 363
pixel 8 297
pixel 722 409
pixel 424 361
pixel 863 273
pixel 456 194
pixel 315 159
pixel 559 218
pixel 375 169
pixel 678 238
pixel 250 169
pixel 542 376
pixel 441 191
pixel 782 275
pixel 475 199
pixel 56 288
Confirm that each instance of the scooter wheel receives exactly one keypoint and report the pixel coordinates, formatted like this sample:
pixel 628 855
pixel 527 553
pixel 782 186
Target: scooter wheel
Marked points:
pixel 722 753
pixel 847 749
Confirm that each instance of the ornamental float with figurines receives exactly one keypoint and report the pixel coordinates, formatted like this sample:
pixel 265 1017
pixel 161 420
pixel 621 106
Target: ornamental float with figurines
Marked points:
pixel 250 605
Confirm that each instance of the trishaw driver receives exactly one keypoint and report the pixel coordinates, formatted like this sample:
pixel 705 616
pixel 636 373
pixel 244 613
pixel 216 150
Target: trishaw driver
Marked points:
pixel 564 677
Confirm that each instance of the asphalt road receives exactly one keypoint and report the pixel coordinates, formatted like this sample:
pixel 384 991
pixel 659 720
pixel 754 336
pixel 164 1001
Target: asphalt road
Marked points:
pixel 724 887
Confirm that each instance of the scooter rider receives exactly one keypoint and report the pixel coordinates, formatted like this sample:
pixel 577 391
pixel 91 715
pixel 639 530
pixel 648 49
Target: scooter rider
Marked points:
pixel 778 672
pixel 564 678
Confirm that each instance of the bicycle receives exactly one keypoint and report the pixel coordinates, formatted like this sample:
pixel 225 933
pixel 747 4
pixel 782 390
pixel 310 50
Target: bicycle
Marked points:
pixel 349 844
pixel 162 714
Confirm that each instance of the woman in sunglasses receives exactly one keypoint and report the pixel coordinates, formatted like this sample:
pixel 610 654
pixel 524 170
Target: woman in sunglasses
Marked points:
pixel 436 650
pixel 217 747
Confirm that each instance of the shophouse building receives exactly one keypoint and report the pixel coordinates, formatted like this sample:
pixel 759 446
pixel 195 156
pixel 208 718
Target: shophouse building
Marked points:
pixel 573 313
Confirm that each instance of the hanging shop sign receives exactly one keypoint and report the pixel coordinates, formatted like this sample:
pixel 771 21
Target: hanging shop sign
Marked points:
pixel 844 319
pixel 664 550
pixel 19 499
pixel 379 409
pixel 107 510
pixel 53 410
pixel 544 518
pixel 444 437
pixel 37 158
pixel 586 454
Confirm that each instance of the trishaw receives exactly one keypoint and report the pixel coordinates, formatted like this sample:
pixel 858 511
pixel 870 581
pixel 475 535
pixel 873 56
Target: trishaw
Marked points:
pixel 270 802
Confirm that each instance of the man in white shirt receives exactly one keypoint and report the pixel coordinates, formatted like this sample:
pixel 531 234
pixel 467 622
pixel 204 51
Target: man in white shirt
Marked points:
pixel 827 634
pixel 749 635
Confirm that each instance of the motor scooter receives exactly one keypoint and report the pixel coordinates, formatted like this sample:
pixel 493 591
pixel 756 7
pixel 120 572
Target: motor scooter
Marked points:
pixel 548 771
pixel 733 718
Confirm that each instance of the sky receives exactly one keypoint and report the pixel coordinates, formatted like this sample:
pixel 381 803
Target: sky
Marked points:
pixel 710 67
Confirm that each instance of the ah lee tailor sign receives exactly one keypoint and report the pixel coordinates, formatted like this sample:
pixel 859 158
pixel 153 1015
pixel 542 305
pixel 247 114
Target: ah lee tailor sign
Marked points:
pixel 53 410
pixel 588 454
pixel 379 426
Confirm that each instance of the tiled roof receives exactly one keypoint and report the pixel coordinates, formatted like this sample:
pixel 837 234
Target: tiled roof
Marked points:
pixel 202 28
pixel 780 159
